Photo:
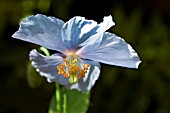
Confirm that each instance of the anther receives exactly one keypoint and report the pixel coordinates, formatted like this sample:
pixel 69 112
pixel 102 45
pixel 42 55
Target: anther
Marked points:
pixel 72 68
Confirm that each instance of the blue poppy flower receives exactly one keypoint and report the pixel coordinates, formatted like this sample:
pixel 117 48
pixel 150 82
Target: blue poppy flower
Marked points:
pixel 80 45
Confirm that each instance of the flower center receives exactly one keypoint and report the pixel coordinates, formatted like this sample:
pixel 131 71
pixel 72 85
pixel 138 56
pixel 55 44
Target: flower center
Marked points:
pixel 73 68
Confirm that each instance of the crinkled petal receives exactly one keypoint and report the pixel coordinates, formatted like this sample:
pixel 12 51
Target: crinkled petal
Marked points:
pixel 94 41
pixel 42 30
pixel 85 84
pixel 47 66
pixel 78 31
pixel 114 50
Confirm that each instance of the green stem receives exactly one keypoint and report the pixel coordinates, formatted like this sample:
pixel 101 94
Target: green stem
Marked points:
pixel 58 98
pixel 46 52
pixel 65 102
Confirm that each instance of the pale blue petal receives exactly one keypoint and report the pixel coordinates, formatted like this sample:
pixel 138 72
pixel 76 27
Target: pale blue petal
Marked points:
pixel 72 30
pixel 78 31
pixel 93 41
pixel 91 44
pixel 42 30
pixel 47 67
pixel 88 82
pixel 114 50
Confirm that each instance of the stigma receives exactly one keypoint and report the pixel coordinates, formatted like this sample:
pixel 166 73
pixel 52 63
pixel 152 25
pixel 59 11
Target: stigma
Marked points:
pixel 73 68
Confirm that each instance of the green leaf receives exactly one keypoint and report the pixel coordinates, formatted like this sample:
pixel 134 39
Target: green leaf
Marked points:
pixel 76 101
pixel 33 77
pixel 52 107
pixel 72 101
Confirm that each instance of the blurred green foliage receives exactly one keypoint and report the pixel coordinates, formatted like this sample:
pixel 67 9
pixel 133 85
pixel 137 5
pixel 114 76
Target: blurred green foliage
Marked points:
pixel 118 90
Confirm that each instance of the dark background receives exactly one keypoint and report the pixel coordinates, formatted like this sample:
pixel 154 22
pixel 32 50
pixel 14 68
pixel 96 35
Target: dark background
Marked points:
pixel 145 24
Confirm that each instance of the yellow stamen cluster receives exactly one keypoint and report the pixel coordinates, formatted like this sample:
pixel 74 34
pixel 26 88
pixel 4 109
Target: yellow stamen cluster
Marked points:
pixel 73 68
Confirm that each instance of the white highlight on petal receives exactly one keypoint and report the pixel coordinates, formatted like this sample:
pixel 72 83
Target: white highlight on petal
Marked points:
pixel 137 64
pixel 37 70
pixel 48 80
pixel 32 63
pixel 133 55
pixel 86 28
pixel 107 23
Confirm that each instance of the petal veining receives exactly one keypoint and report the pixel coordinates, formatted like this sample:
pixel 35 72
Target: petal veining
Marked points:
pixel 78 31
pixel 114 50
pixel 73 30
pixel 91 43
pixel 42 30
